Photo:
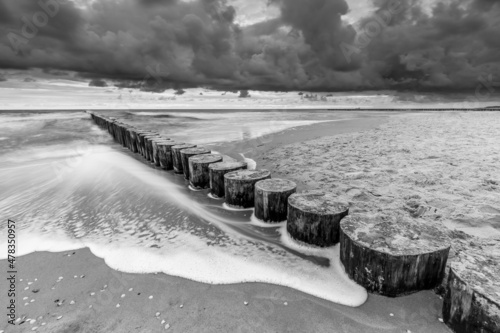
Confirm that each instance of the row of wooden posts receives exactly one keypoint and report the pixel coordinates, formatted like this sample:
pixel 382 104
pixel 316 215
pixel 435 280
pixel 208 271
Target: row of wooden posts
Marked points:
pixel 313 217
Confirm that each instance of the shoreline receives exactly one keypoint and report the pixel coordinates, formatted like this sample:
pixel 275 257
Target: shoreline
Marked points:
pixel 205 306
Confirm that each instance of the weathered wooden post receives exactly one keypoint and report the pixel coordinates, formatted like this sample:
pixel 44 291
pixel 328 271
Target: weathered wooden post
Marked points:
pixel 156 150
pixel 187 153
pixel 165 154
pixel 314 217
pixel 217 172
pixel 176 155
pixel 472 297
pixel 392 254
pixel 239 187
pixel 148 139
pixel 142 141
pixel 199 174
pixel 271 199
pixel 132 134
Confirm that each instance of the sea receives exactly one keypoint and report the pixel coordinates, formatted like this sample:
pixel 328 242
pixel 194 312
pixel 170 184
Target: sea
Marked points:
pixel 68 185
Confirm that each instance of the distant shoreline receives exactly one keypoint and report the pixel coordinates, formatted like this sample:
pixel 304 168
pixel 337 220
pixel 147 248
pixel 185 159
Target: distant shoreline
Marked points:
pixel 312 108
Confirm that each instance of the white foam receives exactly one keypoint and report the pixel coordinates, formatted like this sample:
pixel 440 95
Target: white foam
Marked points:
pixel 236 209
pixel 259 223
pixel 211 196
pixel 218 266
pixel 158 228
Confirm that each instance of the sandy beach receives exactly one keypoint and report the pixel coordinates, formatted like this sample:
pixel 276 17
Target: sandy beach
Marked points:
pixel 76 291
pixel 441 166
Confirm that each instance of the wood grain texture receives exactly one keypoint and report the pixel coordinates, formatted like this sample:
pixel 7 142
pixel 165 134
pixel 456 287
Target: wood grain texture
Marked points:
pixel 239 186
pixel 271 199
pixel 393 255
pixel 217 172
pixel 199 174
pixel 314 217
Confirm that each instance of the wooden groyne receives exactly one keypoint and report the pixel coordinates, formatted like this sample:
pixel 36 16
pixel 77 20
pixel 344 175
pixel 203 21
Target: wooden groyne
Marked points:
pixel 387 254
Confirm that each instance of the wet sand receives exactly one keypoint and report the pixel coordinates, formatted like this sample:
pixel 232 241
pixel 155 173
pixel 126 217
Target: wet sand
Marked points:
pixel 188 306
pixel 205 308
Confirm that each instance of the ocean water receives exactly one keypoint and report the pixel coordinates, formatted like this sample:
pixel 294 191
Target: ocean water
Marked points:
pixel 68 186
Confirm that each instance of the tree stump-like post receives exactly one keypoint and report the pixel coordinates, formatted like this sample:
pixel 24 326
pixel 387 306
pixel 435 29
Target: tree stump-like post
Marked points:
pixel 271 199
pixel 239 187
pixel 393 255
pixel 314 217
pixel 217 172
pixel 187 153
pixel 149 145
pixel 177 158
pixel 199 174
pixel 142 141
pixel 472 297
pixel 156 149
pixel 132 133
pixel 128 137
pixel 165 154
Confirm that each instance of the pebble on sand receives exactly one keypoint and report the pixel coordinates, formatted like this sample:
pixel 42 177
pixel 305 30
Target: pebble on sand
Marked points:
pixel 151 297
pixel 59 317
pixel 286 303
pixel 157 314
pixel 34 328
pixel 32 321
pixel 43 324
pixel 72 302
pixel 181 306
pixel 26 288
pixel 163 322
pixel 92 294
pixel 246 303
pixel 117 305
pixel 391 314
pixel 167 326
pixel 123 295
pixel 131 289
pixel 440 320
pixel 30 283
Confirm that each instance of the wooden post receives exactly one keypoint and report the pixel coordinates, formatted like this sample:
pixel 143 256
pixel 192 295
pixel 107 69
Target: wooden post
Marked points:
pixel 165 154
pixel 156 150
pixel 187 153
pixel 271 199
pixel 132 133
pixel 217 172
pixel 148 139
pixel 176 155
pixel 142 141
pixel 393 254
pixel 472 297
pixel 239 187
pixel 199 174
pixel 314 217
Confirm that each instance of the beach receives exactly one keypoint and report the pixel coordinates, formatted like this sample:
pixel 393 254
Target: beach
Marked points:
pixel 111 300
pixel 86 299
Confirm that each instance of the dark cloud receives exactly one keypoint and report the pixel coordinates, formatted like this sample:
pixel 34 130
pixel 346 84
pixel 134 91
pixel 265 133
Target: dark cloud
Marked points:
pixel 161 44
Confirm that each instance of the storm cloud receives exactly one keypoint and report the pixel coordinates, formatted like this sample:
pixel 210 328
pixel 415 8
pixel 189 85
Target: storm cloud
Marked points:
pixel 309 46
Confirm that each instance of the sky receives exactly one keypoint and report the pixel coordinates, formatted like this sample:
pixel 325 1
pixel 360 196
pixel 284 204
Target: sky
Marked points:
pixel 268 45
